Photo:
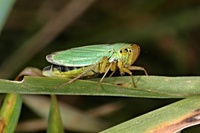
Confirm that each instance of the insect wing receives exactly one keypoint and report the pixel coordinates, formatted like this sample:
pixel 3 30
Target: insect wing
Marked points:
pixel 80 56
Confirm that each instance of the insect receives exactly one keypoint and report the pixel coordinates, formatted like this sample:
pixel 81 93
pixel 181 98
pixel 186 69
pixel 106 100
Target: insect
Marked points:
pixel 89 60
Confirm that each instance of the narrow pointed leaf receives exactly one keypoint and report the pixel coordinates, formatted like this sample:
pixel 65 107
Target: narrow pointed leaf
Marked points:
pixel 54 120
pixel 169 119
pixel 147 86
pixel 5 7
pixel 10 112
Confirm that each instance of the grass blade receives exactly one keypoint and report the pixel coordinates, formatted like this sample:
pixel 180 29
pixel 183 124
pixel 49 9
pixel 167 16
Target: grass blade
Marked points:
pixel 54 120
pixel 171 118
pixel 10 112
pixel 5 7
pixel 147 86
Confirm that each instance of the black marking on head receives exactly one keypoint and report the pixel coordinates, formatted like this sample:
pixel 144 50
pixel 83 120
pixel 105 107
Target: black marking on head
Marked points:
pixel 125 50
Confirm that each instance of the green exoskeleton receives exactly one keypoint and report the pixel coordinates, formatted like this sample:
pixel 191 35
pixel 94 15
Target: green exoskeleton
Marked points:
pixel 86 61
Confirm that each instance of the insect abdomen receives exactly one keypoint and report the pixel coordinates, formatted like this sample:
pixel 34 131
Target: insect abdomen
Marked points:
pixel 65 71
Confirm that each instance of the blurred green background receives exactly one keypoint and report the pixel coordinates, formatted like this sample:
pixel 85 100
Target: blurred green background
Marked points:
pixel 167 31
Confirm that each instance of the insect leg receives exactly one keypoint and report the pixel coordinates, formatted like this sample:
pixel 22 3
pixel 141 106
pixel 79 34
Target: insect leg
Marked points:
pixel 103 64
pixel 108 68
pixel 138 68
pixel 123 70
pixel 80 75
pixel 113 68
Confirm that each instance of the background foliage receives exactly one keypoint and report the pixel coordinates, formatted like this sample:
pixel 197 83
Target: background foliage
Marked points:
pixel 167 31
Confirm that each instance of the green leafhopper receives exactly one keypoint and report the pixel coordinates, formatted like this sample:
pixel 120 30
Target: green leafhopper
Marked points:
pixel 88 60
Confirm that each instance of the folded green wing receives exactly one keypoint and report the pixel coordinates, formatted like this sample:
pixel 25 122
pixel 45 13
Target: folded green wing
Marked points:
pixel 80 56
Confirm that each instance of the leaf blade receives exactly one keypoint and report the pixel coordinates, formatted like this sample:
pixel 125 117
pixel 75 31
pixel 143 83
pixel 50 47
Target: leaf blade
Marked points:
pixel 171 118
pixel 10 112
pixel 54 120
pixel 147 86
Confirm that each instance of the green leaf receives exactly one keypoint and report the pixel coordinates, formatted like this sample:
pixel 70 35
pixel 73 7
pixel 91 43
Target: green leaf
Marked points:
pixel 171 118
pixel 147 86
pixel 5 7
pixel 10 112
pixel 54 120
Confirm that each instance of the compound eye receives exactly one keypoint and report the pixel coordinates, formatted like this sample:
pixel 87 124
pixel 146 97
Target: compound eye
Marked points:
pixel 120 51
pixel 130 51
